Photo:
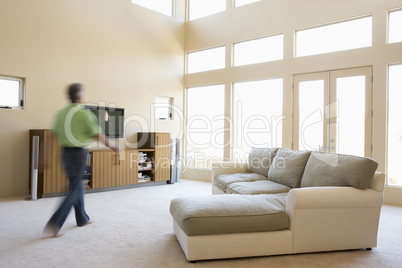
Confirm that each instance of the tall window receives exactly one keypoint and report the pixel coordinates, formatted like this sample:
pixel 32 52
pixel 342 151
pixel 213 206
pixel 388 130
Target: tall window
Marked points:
pixel 258 50
pixel 395 26
pixel 340 36
pixel 395 125
pixel 206 60
pixel 203 8
pixel 205 125
pixel 11 93
pixel 162 6
pixel 257 115
pixel 239 3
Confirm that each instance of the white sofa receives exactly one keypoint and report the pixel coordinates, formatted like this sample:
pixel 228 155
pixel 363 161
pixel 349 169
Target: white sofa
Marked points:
pixel 322 218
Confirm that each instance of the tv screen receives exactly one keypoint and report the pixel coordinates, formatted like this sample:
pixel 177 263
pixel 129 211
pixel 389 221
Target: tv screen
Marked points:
pixel 110 119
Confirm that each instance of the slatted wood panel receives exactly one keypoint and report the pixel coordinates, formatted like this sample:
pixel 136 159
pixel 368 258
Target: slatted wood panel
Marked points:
pixel 162 156
pixel 54 176
pixel 104 165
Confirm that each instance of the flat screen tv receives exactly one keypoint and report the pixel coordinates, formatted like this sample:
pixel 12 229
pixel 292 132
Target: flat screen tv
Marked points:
pixel 110 119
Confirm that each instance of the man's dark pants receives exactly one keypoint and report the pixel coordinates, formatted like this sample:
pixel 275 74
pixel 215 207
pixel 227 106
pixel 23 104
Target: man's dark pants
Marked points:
pixel 74 160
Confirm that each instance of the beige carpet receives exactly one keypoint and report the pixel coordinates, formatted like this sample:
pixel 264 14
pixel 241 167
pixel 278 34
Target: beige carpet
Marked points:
pixel 133 228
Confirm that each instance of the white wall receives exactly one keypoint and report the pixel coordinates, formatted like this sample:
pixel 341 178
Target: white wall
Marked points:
pixel 269 17
pixel 124 54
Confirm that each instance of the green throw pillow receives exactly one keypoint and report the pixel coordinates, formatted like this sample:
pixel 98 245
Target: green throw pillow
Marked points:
pixel 260 160
pixel 328 169
pixel 288 166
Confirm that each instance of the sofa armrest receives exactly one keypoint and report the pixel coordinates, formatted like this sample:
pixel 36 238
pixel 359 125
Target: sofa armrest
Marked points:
pixel 338 197
pixel 333 218
pixel 333 197
pixel 378 182
pixel 220 168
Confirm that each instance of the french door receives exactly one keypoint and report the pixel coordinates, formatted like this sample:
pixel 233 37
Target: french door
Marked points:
pixel 333 111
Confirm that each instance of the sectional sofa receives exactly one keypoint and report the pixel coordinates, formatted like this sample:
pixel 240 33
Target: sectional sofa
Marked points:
pixel 282 202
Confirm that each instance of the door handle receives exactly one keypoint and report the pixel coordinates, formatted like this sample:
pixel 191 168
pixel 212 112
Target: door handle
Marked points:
pixel 116 159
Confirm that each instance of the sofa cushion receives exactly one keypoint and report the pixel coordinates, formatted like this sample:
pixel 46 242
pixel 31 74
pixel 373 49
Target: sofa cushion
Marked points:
pixel 327 169
pixel 260 159
pixel 257 187
pixel 222 181
pixel 288 166
pixel 227 214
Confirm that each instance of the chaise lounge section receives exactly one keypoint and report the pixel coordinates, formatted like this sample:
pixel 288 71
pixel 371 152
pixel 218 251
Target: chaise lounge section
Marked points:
pixel 305 202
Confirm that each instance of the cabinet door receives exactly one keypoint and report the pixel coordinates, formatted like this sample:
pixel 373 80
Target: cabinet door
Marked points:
pixel 162 156
pixel 127 167
pixel 146 140
pixel 104 169
pixel 54 176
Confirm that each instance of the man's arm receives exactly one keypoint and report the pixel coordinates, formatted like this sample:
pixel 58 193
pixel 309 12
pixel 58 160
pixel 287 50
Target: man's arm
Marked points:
pixel 105 140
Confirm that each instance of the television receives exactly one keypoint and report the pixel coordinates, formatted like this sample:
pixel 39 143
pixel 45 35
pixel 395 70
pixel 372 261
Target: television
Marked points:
pixel 110 119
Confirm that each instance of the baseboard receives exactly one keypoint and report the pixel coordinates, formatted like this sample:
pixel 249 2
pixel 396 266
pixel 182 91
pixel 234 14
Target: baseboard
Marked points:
pixel 106 189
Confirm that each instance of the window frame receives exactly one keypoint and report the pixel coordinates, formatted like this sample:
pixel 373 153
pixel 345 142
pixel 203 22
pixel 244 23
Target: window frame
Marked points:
pixel 189 162
pixel 234 115
pixel 387 154
pixel 295 54
pixel 172 11
pixel 399 9
pixel 202 50
pixel 21 92
pixel 210 14
pixel 236 6
pixel 257 39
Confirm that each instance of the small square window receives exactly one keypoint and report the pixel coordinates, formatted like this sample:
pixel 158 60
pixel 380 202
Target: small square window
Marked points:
pixel 11 93
pixel 163 108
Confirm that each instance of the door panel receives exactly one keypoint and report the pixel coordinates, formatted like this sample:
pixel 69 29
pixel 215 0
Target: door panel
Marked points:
pixel 309 121
pixel 353 95
pixel 333 111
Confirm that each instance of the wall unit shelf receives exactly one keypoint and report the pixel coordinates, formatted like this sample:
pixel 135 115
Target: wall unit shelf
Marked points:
pixel 160 143
pixel 105 169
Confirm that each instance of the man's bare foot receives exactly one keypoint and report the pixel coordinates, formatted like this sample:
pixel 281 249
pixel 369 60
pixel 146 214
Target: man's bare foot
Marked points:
pixel 89 222
pixel 51 230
